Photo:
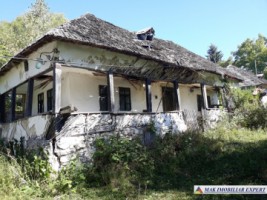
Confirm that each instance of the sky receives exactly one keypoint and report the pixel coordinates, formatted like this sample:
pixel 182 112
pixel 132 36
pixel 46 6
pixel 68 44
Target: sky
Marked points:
pixel 193 24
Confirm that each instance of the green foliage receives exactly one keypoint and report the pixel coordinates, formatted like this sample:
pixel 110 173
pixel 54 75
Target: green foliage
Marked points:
pixel 213 54
pixel 265 73
pixel 169 168
pixel 244 99
pixel 251 51
pixel 71 178
pixel 26 28
pixel 122 164
pixel 226 63
pixel 247 110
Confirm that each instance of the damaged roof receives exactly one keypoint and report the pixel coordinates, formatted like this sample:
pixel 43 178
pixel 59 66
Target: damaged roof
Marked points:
pixel 249 79
pixel 90 30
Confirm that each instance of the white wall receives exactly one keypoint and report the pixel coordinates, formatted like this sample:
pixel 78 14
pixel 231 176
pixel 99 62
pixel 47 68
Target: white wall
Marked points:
pixel 189 98
pixel 35 97
pixel 17 75
pixel 80 89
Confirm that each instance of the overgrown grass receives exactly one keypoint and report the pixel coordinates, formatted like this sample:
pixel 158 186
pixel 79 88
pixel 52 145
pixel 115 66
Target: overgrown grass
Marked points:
pixel 166 169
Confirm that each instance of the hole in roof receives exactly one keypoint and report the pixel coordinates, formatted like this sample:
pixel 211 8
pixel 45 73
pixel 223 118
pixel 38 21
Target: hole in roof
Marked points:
pixel 146 34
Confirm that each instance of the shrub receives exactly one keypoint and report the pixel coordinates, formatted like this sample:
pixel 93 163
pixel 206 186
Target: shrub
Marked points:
pixel 122 164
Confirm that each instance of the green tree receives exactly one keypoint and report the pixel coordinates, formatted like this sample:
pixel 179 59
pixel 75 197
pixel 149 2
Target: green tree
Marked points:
pixel 225 63
pixel 213 54
pixel 265 73
pixel 4 55
pixel 252 54
pixel 26 28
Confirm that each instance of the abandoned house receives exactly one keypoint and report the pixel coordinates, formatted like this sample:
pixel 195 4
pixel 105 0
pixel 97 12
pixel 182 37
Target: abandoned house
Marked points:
pixel 90 78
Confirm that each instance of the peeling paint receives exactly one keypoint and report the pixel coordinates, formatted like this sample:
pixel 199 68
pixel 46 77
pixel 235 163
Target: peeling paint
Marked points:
pixel 28 128
pixel 79 132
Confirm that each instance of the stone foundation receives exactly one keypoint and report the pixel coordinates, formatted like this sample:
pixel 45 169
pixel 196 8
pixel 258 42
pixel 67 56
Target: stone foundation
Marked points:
pixel 76 138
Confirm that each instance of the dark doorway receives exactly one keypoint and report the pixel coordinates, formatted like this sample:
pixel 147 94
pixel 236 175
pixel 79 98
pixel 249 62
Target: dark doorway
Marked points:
pixel 168 99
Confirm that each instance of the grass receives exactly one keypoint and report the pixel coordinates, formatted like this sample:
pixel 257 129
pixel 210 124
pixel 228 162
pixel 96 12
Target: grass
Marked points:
pixel 216 157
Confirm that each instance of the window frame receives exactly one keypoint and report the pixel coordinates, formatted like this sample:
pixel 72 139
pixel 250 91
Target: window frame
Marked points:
pixel 103 97
pixel 49 100
pixel 125 99
pixel 40 103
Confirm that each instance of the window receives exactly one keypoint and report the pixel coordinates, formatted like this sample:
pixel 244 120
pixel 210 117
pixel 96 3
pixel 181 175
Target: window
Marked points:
pixel 103 97
pixel 200 100
pixel 125 99
pixel 20 105
pixel 49 100
pixel 41 103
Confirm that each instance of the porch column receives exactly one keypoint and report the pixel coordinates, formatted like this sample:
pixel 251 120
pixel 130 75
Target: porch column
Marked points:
pixel 57 88
pixel 13 104
pixel 148 96
pixel 111 94
pixel 176 95
pixel 29 98
pixel 204 96
pixel 2 107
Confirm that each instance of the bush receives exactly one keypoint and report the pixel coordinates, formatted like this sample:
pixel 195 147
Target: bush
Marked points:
pixel 247 111
pixel 122 164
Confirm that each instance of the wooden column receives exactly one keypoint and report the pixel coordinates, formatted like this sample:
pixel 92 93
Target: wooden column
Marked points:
pixel 111 94
pixel 13 105
pixel 148 96
pixel 2 108
pixel 204 96
pixel 57 88
pixel 29 98
pixel 57 95
pixel 176 95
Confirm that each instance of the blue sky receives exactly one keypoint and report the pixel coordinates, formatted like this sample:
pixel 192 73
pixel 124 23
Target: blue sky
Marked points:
pixel 193 24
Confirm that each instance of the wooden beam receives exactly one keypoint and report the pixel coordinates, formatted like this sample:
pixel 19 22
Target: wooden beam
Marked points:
pixel 111 94
pixel 176 95
pixel 204 96
pixel 148 95
pixel 3 108
pixel 13 104
pixel 29 98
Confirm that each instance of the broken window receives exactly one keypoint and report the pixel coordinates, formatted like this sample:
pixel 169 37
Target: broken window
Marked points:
pixel 49 94
pixel 103 97
pixel 40 103
pixel 125 99
pixel 20 105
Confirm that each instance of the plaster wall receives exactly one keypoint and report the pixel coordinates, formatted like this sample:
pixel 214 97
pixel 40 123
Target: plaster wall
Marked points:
pixel 32 127
pixel 17 74
pixel 99 59
pixel 76 139
pixel 37 91
pixel 80 89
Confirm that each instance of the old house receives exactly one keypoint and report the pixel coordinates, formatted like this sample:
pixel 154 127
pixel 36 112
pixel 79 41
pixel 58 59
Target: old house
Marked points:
pixel 89 77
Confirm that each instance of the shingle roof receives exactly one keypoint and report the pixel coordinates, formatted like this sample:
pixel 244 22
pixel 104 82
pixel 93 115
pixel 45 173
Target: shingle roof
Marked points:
pixel 249 79
pixel 93 31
